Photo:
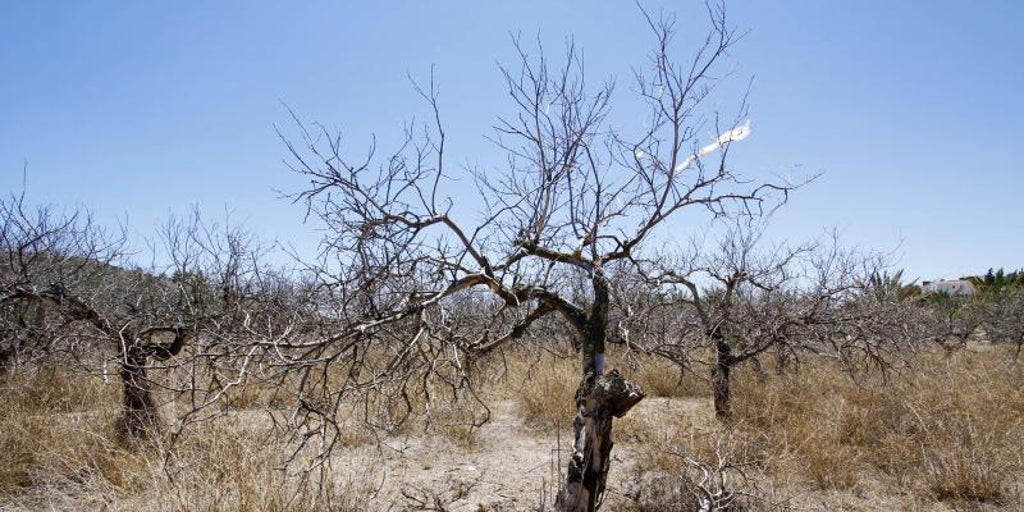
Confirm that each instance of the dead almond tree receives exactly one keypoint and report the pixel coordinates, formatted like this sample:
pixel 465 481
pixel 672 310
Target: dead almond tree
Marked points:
pixel 39 247
pixel 579 197
pixel 744 299
pixel 62 270
pixel 70 297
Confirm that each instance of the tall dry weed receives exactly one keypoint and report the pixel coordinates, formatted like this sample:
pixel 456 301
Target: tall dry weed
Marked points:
pixel 546 390
pixel 57 427
pixel 951 429
pixel 60 449
pixel 659 377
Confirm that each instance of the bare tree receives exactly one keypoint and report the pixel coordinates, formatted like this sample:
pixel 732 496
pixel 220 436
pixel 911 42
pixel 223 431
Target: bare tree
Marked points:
pixel 61 268
pixel 1004 319
pixel 43 247
pixel 579 200
pixel 238 308
pixel 68 296
pixel 745 298
pixel 998 307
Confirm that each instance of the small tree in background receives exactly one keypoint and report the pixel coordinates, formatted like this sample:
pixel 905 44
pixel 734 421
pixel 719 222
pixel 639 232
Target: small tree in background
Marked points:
pixel 1003 318
pixel 742 299
pixel 999 306
pixel 59 272
pixel 67 297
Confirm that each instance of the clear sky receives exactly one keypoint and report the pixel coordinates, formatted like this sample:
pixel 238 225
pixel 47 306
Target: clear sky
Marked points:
pixel 136 110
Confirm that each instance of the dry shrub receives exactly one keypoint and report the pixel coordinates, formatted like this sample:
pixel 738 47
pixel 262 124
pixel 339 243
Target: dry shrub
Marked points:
pixel 230 464
pixel 53 389
pixel 966 465
pixel 549 383
pixel 663 491
pixel 434 409
pixel 640 429
pixel 970 429
pixel 57 427
pixel 659 377
pixel 60 449
pixel 276 393
pixel 698 468
pixel 786 411
pixel 412 407
pixel 951 429
pixel 836 466
pixel 456 420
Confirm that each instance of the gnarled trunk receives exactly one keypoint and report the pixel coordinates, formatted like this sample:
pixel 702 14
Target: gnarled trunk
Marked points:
pixel 720 379
pixel 140 418
pixel 599 399
pixel 8 356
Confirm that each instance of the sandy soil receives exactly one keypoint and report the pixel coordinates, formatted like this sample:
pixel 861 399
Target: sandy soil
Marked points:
pixel 510 467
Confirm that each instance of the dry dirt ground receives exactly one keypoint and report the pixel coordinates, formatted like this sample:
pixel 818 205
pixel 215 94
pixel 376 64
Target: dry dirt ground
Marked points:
pixel 509 466
pixel 512 466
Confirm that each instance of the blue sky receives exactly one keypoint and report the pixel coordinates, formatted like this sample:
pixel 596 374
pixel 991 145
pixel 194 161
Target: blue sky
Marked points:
pixel 137 110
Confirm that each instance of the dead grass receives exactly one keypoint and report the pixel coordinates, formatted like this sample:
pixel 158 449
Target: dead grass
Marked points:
pixel 53 434
pixel 547 390
pixel 60 449
pixel 952 430
pixel 660 378
pixel 230 465
pixel 947 435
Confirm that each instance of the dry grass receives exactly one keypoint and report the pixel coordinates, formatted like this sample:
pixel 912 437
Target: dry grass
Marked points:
pixel 230 465
pixel 660 378
pixel 952 430
pixel 547 385
pixel 60 449
pixel 948 435
pixel 547 390
pixel 53 435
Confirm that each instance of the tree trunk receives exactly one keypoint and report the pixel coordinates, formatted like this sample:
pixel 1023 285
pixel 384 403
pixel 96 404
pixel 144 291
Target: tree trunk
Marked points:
pixel 7 358
pixel 599 399
pixel 720 383
pixel 140 416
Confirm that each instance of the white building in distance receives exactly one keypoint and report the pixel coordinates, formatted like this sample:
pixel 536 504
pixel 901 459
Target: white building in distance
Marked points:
pixel 960 287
